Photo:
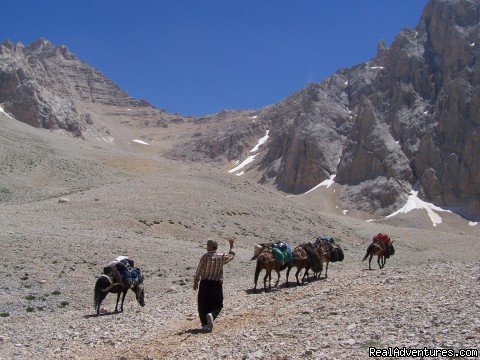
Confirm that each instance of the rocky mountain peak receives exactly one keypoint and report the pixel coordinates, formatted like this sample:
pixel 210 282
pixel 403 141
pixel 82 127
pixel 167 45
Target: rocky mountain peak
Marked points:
pixel 43 84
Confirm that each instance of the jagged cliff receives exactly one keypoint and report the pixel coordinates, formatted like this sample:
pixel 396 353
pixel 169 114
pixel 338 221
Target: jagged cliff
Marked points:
pixel 410 116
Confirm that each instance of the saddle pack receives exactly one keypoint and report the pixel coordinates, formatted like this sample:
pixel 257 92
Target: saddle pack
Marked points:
pixel 121 269
pixel 327 239
pixel 315 262
pixel 382 238
pixel 336 254
pixel 282 252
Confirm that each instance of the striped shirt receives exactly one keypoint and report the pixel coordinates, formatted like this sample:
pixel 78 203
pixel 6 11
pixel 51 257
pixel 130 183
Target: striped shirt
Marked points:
pixel 211 266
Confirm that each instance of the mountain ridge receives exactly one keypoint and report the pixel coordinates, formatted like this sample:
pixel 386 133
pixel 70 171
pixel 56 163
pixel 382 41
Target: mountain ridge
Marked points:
pixel 408 117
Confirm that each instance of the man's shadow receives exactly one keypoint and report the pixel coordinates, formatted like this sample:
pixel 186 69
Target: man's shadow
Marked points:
pixel 190 332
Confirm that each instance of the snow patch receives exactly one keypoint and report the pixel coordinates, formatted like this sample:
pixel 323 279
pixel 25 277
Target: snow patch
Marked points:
pixel 414 202
pixel 141 142
pixel 250 158
pixel 472 223
pixel 3 112
pixel 243 163
pixel 253 117
pixel 260 142
pixel 376 67
pixel 328 182
pixel 370 220
pixel 344 212
pixel 472 44
pixel 346 82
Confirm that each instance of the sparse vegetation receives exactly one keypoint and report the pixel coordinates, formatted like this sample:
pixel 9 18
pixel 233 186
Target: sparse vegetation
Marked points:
pixel 64 304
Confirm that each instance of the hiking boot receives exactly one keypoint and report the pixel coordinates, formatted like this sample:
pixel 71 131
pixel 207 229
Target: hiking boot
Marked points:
pixel 206 328
pixel 210 321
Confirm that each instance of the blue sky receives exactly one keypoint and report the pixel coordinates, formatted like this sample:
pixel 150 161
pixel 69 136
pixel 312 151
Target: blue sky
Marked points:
pixel 199 57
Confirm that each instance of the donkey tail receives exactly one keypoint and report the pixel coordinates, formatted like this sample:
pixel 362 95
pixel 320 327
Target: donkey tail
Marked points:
pixel 369 250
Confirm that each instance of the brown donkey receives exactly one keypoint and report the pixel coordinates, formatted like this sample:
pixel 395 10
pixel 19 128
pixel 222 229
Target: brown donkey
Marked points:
pixel 323 251
pixel 300 261
pixel 266 261
pixel 383 252
pixel 328 252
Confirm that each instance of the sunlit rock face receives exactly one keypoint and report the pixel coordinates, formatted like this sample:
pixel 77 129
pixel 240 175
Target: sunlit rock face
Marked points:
pixel 409 115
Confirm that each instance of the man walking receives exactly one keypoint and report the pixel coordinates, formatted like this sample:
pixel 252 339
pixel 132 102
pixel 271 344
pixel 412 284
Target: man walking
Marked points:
pixel 210 274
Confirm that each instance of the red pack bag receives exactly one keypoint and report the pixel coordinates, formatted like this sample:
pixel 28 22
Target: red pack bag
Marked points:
pixel 381 238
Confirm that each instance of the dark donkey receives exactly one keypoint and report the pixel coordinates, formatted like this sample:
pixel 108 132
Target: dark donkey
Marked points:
pixel 383 252
pixel 105 285
pixel 305 257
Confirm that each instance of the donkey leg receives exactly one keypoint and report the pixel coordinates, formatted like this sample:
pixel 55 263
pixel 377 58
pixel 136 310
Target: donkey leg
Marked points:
pixel 370 262
pixel 123 299
pixel 118 300
pixel 379 259
pixel 278 278
pixel 288 272
pixel 296 276
pixel 305 275
pixel 326 270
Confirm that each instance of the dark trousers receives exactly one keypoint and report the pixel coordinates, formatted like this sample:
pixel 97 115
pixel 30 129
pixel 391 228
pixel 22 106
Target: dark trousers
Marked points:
pixel 210 299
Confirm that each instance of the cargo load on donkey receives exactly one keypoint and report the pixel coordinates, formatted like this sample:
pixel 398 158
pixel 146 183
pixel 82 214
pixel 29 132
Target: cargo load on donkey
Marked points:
pixel 282 252
pixel 335 252
pixel 123 270
pixel 382 239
